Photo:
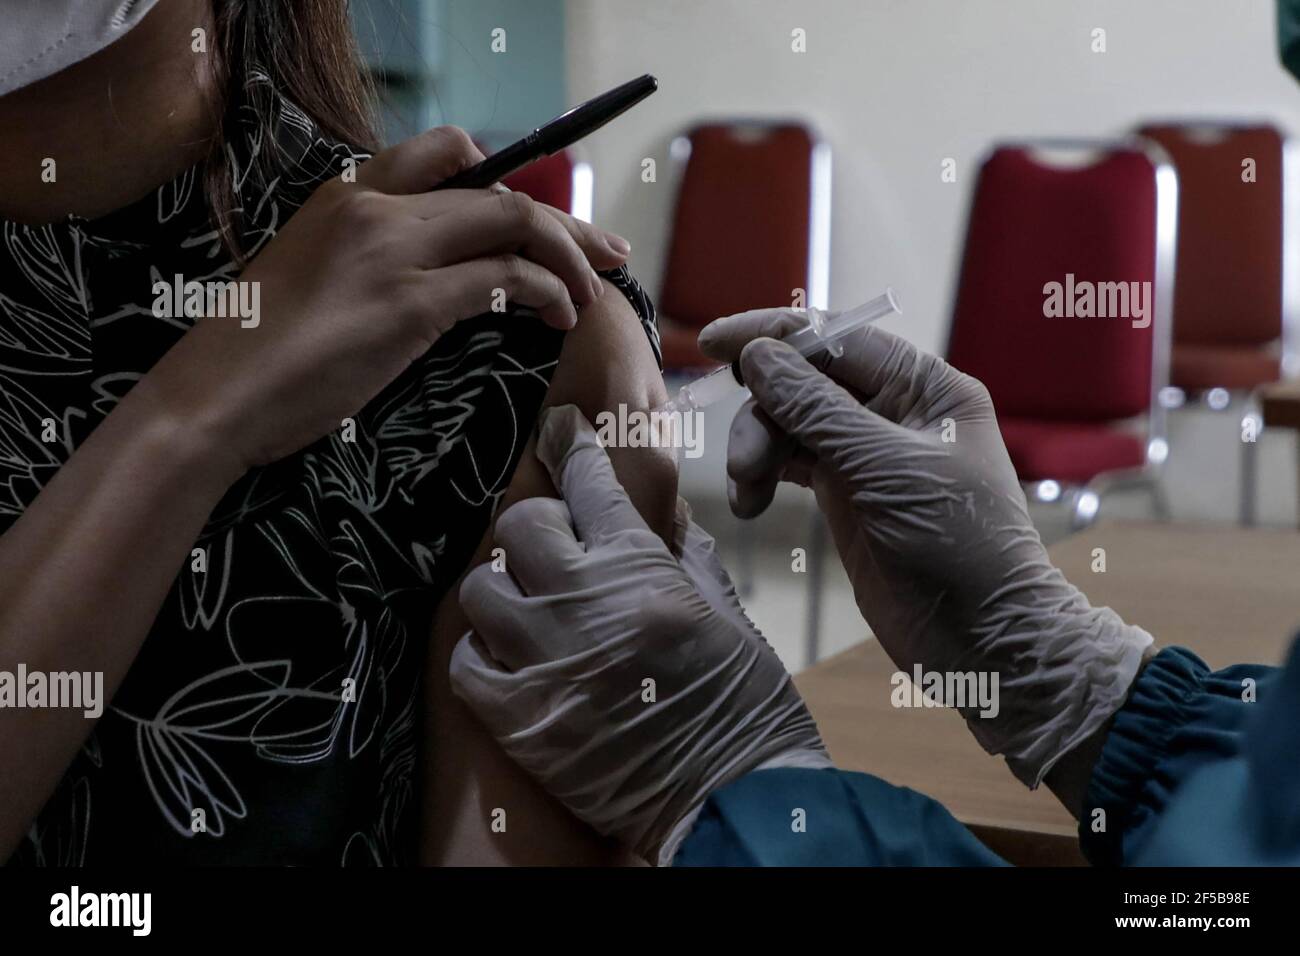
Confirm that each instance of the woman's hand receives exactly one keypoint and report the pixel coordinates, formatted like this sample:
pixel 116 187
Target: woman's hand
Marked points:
pixel 361 282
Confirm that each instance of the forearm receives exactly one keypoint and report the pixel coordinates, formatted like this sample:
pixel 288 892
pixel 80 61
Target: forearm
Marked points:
pixel 468 777
pixel 83 573
pixel 471 789
pixel 1068 779
pixel 606 360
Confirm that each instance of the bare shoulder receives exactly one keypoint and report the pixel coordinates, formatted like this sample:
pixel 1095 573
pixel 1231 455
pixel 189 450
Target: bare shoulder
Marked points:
pixel 606 362
pixel 607 359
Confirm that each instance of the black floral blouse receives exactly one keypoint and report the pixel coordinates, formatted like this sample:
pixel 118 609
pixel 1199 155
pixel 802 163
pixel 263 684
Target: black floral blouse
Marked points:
pixel 232 740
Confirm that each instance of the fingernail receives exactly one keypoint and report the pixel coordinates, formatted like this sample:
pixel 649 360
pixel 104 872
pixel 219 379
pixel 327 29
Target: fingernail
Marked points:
pixel 597 287
pixel 618 243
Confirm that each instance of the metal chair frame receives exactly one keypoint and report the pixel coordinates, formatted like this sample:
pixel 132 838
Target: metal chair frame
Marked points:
pixel 1084 501
pixel 1218 399
pixel 817 291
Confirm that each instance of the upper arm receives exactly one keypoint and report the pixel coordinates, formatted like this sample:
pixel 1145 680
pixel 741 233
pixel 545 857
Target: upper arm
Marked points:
pixel 606 361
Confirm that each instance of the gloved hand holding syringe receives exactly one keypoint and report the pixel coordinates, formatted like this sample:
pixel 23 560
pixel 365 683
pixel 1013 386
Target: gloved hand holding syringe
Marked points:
pixel 822 334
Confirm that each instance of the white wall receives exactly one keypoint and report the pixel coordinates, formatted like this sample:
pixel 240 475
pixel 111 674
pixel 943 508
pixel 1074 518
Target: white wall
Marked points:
pixel 497 96
pixel 896 86
pixel 440 51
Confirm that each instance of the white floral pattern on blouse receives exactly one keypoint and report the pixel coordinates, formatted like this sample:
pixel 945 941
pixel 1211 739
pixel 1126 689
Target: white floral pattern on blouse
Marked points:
pixel 323 567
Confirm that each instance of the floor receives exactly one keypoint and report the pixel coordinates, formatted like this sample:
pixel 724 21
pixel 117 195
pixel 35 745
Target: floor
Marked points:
pixel 1200 481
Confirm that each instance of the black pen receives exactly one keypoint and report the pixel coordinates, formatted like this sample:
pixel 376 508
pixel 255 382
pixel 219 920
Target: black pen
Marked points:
pixel 558 134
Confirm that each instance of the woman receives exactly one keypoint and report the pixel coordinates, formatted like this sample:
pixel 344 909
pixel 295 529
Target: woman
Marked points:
pixel 318 473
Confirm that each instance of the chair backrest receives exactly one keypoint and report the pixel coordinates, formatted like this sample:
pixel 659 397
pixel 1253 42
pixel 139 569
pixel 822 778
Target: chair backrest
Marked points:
pixel 751 222
pixel 548 180
pixel 1230 215
pixel 1046 245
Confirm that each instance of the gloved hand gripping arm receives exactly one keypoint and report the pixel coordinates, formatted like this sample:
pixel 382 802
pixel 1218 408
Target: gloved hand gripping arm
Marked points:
pixel 626 678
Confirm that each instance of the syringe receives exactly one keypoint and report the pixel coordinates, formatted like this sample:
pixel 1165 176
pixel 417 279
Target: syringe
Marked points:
pixel 822 333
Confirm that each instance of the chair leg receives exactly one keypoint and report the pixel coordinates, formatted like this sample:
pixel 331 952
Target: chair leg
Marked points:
pixel 1297 471
pixel 1085 505
pixel 1159 500
pixel 816 567
pixel 1249 481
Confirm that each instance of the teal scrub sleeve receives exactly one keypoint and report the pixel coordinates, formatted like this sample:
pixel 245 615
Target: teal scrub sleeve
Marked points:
pixel 797 817
pixel 1200 768
pixel 1288 35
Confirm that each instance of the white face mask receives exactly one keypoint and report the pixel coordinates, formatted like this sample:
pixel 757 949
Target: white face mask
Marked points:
pixel 41 37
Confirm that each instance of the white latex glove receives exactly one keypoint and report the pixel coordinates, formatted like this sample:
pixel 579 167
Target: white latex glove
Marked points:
pixel 932 526
pixel 593 606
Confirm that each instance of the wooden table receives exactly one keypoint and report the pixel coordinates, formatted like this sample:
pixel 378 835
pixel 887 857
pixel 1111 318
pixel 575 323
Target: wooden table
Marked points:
pixel 1280 404
pixel 1230 594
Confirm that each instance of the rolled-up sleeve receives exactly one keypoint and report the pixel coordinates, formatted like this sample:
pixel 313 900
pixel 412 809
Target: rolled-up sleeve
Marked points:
pixel 1200 767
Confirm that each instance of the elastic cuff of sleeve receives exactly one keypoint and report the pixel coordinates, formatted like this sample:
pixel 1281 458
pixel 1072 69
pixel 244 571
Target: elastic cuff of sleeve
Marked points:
pixel 1175 690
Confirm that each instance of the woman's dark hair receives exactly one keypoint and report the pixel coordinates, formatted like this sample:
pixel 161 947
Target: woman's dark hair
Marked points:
pixel 309 52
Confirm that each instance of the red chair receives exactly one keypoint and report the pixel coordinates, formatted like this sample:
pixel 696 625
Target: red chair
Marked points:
pixel 559 180
pixel 751 226
pixel 1234 300
pixel 1076 396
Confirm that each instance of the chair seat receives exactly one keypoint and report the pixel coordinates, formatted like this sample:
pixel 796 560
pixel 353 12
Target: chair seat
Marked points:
pixel 680 347
pixel 1068 452
pixel 1200 367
